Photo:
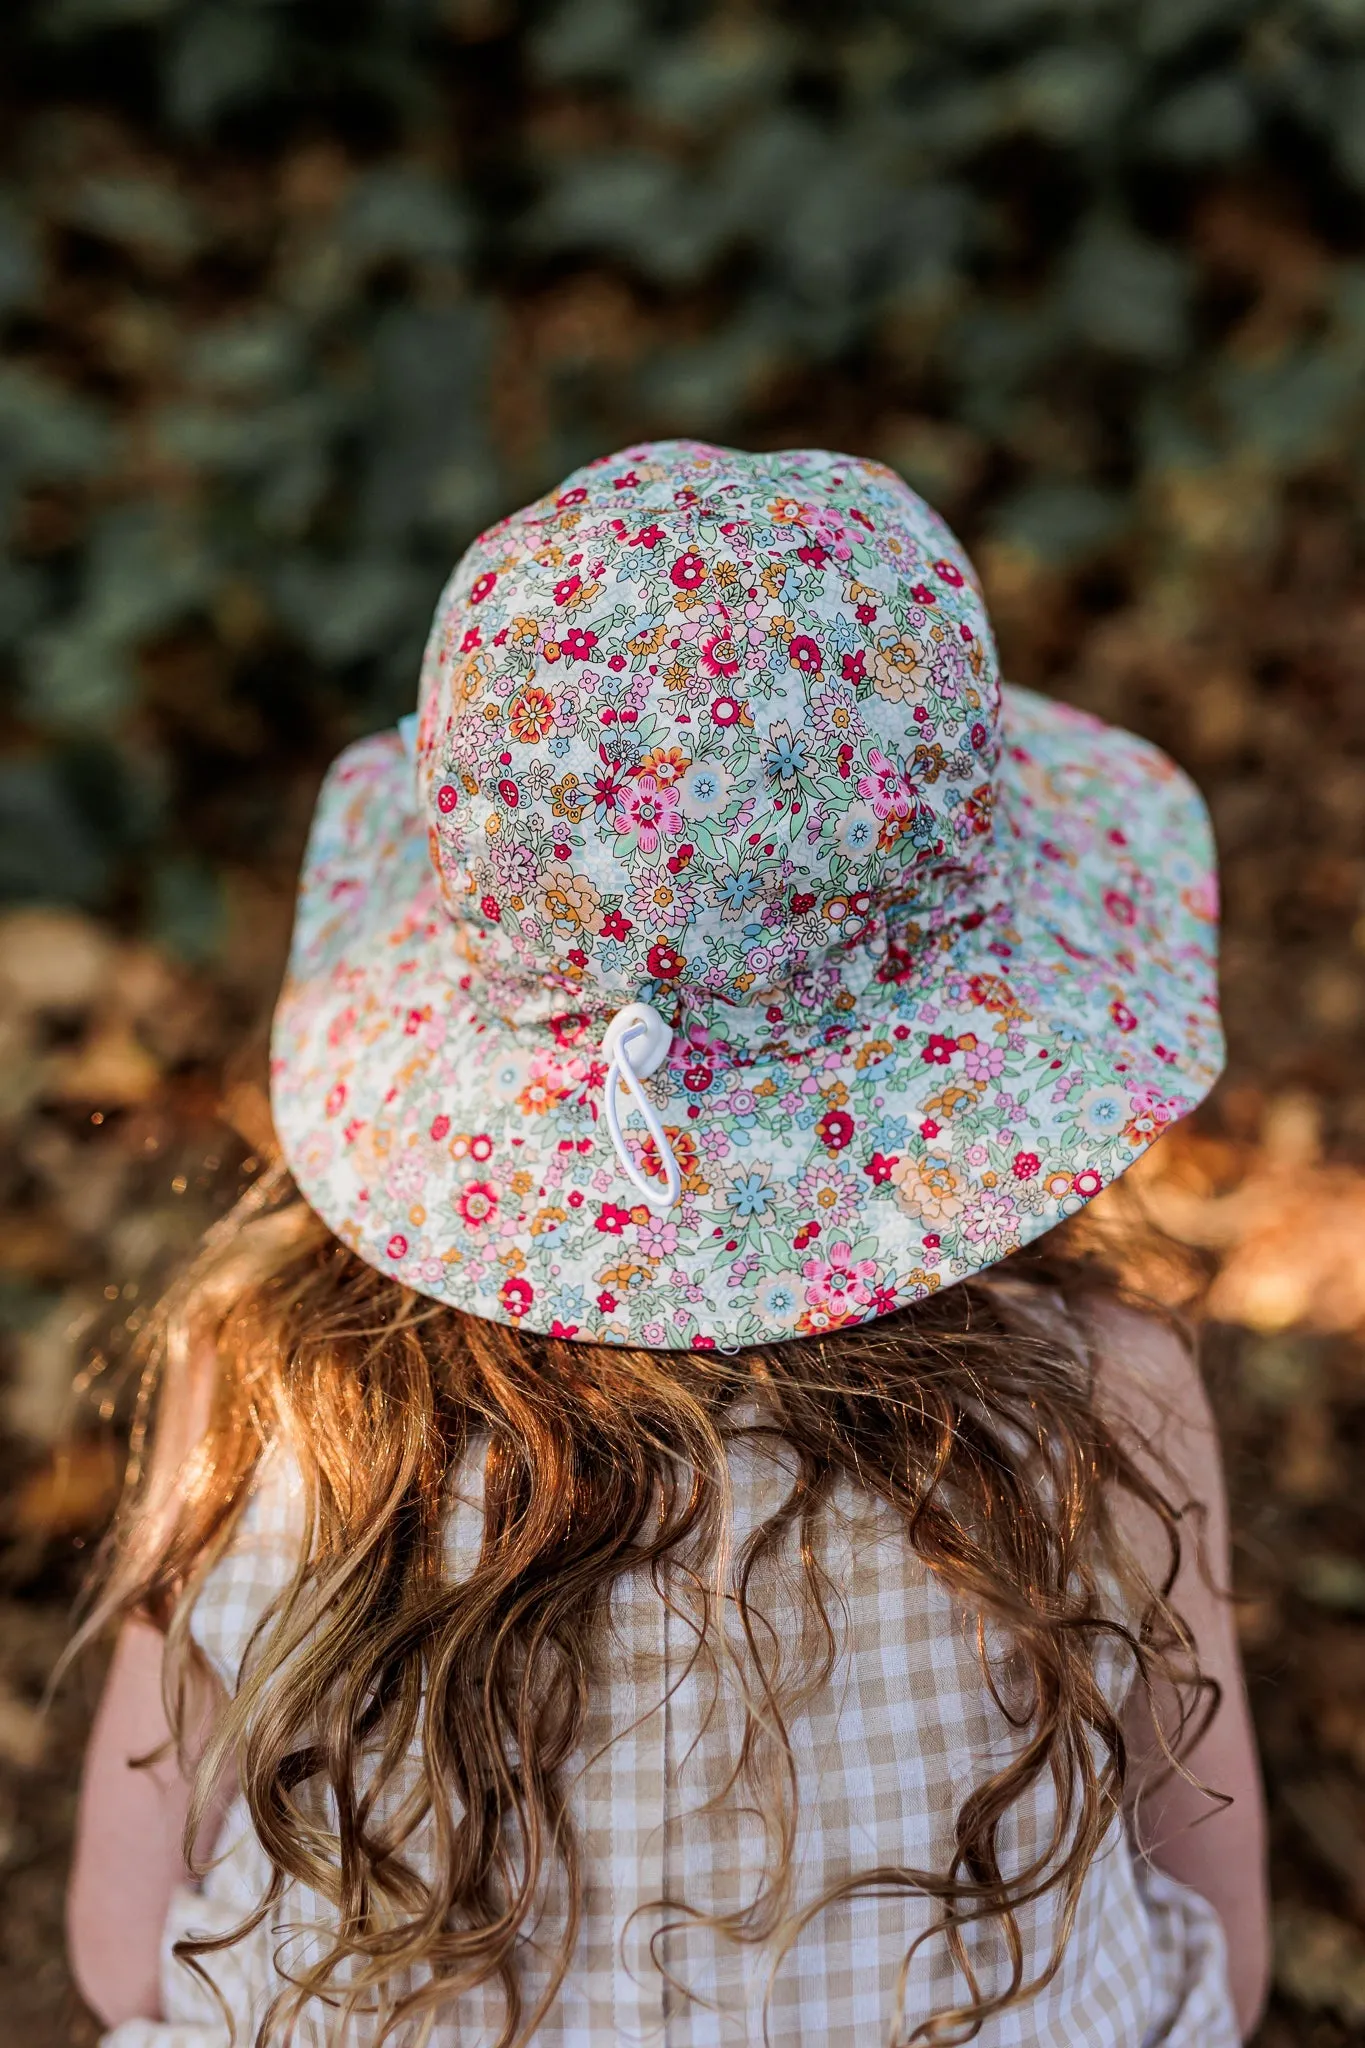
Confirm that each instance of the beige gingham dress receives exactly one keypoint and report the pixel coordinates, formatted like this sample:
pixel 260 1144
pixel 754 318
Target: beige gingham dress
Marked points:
pixel 884 1753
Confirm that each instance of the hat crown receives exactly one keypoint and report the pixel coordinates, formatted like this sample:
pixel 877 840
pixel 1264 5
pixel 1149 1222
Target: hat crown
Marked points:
pixel 700 719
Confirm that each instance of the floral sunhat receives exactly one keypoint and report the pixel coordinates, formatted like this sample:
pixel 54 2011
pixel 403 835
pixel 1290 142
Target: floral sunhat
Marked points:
pixel 726 955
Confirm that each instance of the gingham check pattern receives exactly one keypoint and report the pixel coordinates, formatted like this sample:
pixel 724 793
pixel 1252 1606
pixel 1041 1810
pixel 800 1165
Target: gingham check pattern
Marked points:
pixel 884 1754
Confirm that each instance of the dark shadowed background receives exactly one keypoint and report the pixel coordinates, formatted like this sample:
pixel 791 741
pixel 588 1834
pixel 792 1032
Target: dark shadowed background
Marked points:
pixel 295 295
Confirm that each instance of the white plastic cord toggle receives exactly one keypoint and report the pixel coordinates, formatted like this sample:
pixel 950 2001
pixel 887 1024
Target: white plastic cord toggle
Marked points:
pixel 636 1044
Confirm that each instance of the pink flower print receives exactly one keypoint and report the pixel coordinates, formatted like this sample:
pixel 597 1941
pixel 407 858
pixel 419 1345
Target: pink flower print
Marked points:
pixel 840 1281
pixel 984 1062
pixel 991 1216
pixel 657 1239
pixel 649 809
pixel 886 787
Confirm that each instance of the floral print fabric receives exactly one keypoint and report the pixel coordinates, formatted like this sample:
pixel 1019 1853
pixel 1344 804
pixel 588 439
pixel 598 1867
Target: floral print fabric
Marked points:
pixel 724 733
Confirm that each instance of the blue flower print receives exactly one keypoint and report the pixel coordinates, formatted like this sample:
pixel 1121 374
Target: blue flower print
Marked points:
pixel 752 1196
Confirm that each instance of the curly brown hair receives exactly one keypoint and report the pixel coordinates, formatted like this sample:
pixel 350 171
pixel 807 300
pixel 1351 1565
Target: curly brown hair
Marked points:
pixel 973 1414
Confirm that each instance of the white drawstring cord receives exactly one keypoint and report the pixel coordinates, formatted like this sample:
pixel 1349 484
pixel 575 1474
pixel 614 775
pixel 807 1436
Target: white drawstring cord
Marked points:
pixel 636 1042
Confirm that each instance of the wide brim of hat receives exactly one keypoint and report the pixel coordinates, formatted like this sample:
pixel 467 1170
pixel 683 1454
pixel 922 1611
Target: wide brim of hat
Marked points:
pixel 987 1082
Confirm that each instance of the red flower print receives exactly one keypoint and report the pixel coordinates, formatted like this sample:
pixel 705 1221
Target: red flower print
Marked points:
pixel 813 553
pixel 1120 907
pixel 1086 1183
pixel 878 1168
pixel 698 1079
pixel 472 639
pixel 726 710
pixel 1122 1016
pixel 834 1129
pixel 854 666
pixel 612 1219
pixel 481 1147
pixel 481 586
pixel 978 735
pixel 440 1128
pixel 617 662
pixel 606 1301
pixel 950 573
pixel 477 1204
pixel 922 594
pixel 607 787
pixel 508 791
pixel 665 962
pixel 866 614
pixel 573 497
pixel 648 537
pixel 516 1295
pixel 530 715
pixel 803 901
pixel 861 518
pixel 804 653
pixel 336 1099
pixel 491 908
pixel 447 796
pixel 567 588
pixel 397 1246
pixel 688 572
pixel 1025 1165
pixel 615 926
pixel 939 1050
pixel 558 1329
pixel 932 1241
pixel 579 643
pixel 929 1128
pixel 719 655
pixel 628 482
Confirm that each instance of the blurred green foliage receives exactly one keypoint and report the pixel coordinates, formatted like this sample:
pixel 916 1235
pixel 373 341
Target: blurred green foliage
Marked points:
pixel 297 294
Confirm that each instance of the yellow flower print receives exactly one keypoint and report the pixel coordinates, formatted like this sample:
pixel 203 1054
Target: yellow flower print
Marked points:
pixel 927 1188
pixel 724 573
pixel 621 1278
pixel 570 900
pixel 773 576
pixel 666 764
pixel 899 671
pixel 566 799
pixel 648 642
pixel 949 1101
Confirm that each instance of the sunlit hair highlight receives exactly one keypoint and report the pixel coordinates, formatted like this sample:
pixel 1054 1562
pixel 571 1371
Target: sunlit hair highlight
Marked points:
pixel 973 1416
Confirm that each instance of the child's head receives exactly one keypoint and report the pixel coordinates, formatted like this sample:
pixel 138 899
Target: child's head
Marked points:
pixel 717 740
pixel 724 968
